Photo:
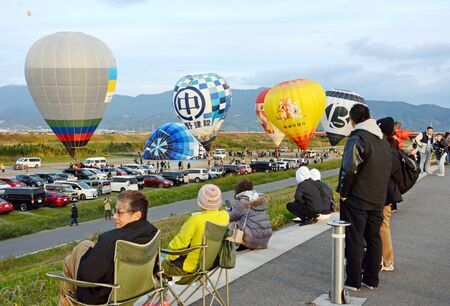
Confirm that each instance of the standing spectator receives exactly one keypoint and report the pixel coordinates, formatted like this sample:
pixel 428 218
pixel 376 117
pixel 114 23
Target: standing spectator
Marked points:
pixel 157 167
pixel 249 213
pixel 74 215
pixel 363 180
pixel 307 203
pixel 400 134
pixel 440 148
pixel 393 195
pixel 424 141
pixel 2 167
pixel 180 164
pixel 326 194
pixel 107 206
pixel 189 166
pixel 168 165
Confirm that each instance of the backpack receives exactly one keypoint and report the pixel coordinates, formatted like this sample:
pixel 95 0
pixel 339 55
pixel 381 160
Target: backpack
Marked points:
pixel 409 173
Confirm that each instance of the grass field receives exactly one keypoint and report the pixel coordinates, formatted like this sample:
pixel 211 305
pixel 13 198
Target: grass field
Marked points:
pixel 18 223
pixel 23 280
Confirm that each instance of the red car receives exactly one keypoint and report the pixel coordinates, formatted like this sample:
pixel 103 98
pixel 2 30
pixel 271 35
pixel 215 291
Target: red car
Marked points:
pixel 157 181
pixel 5 206
pixel 56 199
pixel 12 182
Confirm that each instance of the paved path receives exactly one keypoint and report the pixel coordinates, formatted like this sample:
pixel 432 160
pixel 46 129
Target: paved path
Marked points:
pixel 51 238
pixel 420 230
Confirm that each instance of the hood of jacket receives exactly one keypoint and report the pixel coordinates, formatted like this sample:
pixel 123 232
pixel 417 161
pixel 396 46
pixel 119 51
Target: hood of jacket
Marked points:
pixel 253 199
pixel 302 174
pixel 371 126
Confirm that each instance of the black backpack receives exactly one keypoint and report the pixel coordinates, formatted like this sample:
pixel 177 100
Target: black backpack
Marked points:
pixel 409 173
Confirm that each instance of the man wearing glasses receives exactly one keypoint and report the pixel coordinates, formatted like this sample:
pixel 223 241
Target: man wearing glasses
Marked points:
pixel 95 262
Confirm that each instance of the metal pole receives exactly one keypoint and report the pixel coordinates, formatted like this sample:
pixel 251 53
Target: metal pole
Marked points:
pixel 337 294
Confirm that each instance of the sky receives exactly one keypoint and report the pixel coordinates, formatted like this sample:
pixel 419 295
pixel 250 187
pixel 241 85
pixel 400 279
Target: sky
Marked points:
pixel 384 50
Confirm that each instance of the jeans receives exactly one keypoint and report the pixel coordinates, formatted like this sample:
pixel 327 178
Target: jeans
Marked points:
pixel 425 160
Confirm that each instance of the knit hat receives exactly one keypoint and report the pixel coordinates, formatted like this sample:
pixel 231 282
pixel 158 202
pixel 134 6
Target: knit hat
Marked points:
pixel 302 174
pixel 209 197
pixel 315 174
pixel 386 125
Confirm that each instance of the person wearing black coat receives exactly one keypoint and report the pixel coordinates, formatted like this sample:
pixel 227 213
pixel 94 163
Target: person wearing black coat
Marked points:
pixel 307 203
pixel 74 215
pixel 95 263
pixel 363 181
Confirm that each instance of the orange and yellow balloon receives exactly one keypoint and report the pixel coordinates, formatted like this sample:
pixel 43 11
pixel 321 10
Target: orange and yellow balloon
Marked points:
pixel 275 134
pixel 295 108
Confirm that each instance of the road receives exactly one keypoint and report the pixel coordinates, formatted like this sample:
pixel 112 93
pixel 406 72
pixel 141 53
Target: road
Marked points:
pixel 51 238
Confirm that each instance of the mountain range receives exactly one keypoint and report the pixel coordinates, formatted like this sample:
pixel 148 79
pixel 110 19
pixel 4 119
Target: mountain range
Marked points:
pixel 147 111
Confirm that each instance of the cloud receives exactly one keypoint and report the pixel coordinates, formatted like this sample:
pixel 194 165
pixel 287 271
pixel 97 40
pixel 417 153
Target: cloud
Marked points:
pixel 121 3
pixel 431 51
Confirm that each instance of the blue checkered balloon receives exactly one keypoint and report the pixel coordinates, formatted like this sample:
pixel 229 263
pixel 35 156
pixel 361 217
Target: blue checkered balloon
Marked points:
pixel 202 102
pixel 172 141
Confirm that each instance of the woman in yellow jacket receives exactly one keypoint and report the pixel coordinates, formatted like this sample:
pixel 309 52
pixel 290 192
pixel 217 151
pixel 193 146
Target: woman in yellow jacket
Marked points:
pixel 209 200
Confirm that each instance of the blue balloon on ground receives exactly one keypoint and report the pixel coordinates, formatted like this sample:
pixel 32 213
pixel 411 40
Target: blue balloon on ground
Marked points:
pixel 172 141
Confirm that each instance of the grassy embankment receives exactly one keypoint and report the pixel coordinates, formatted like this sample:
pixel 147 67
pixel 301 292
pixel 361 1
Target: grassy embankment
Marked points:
pixel 23 280
pixel 17 223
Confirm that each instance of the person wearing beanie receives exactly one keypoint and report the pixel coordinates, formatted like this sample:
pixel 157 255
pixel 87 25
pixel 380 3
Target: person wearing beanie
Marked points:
pixel 209 200
pixel 307 203
pixel 249 213
pixel 326 193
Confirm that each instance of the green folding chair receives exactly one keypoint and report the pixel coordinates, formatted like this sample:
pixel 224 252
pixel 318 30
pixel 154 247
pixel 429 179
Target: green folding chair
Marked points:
pixel 134 276
pixel 207 268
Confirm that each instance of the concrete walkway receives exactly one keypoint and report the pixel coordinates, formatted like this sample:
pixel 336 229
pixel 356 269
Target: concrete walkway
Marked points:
pixel 63 235
pixel 420 231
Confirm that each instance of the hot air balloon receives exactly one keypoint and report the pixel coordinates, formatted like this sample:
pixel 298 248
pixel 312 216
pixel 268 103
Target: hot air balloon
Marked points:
pixel 202 102
pixel 71 77
pixel 336 119
pixel 295 108
pixel 275 134
pixel 172 141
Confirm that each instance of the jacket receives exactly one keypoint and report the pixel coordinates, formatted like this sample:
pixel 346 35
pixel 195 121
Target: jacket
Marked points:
pixel 308 194
pixel 191 234
pixel 440 148
pixel 74 212
pixel 97 264
pixel 366 167
pixel 327 197
pixel 393 194
pixel 421 140
pixel 258 229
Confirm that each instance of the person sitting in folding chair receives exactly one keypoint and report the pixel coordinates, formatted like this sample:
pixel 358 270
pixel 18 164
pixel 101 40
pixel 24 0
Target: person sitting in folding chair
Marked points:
pixel 209 200
pixel 95 263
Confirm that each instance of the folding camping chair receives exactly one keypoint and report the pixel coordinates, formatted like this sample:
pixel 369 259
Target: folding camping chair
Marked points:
pixel 208 266
pixel 134 277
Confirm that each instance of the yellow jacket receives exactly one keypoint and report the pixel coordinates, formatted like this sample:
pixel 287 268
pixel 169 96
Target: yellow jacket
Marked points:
pixel 191 234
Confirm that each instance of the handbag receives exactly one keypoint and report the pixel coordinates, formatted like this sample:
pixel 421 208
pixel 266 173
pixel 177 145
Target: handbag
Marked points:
pixel 227 254
pixel 238 234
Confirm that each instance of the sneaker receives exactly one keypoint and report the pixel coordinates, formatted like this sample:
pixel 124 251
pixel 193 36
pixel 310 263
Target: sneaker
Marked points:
pixel 297 220
pixel 368 286
pixel 388 268
pixel 440 174
pixel 352 288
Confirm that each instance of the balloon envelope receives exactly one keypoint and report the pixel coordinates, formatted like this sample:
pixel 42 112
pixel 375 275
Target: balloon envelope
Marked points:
pixel 172 141
pixel 275 134
pixel 336 118
pixel 71 77
pixel 295 108
pixel 202 102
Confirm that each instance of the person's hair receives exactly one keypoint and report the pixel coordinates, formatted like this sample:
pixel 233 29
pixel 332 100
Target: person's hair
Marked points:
pixel 446 134
pixel 135 200
pixel 359 113
pixel 392 141
pixel 430 127
pixel 243 185
pixel 397 124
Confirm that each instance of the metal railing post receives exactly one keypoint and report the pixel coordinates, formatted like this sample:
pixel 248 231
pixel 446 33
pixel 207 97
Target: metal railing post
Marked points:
pixel 337 294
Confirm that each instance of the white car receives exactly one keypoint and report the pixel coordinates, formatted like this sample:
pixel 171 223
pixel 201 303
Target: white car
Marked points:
pixel 28 162
pixel 219 171
pixel 84 191
pixel 139 168
pixel 282 165
pixel 96 162
pixel 99 175
pixel 124 182
pixel 198 175
pixel 219 154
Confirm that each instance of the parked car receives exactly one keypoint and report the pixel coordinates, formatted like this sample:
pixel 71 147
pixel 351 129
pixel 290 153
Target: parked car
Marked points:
pixel 197 175
pixel 5 206
pixel 244 169
pixel 262 166
pixel 102 186
pixel 66 176
pixel 284 149
pixel 99 175
pixel 219 154
pixel 3 184
pixel 157 181
pixel 56 199
pixel 49 177
pixel 63 188
pixel 281 165
pixel 95 162
pixel 31 180
pixel 80 174
pixel 219 171
pixel 12 182
pixel 124 182
pixel 128 171
pixel 138 168
pixel 332 149
pixel 24 198
pixel 27 162
pixel 230 169
pixel 112 172
pixel 303 162
pixel 177 177
pixel 85 192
